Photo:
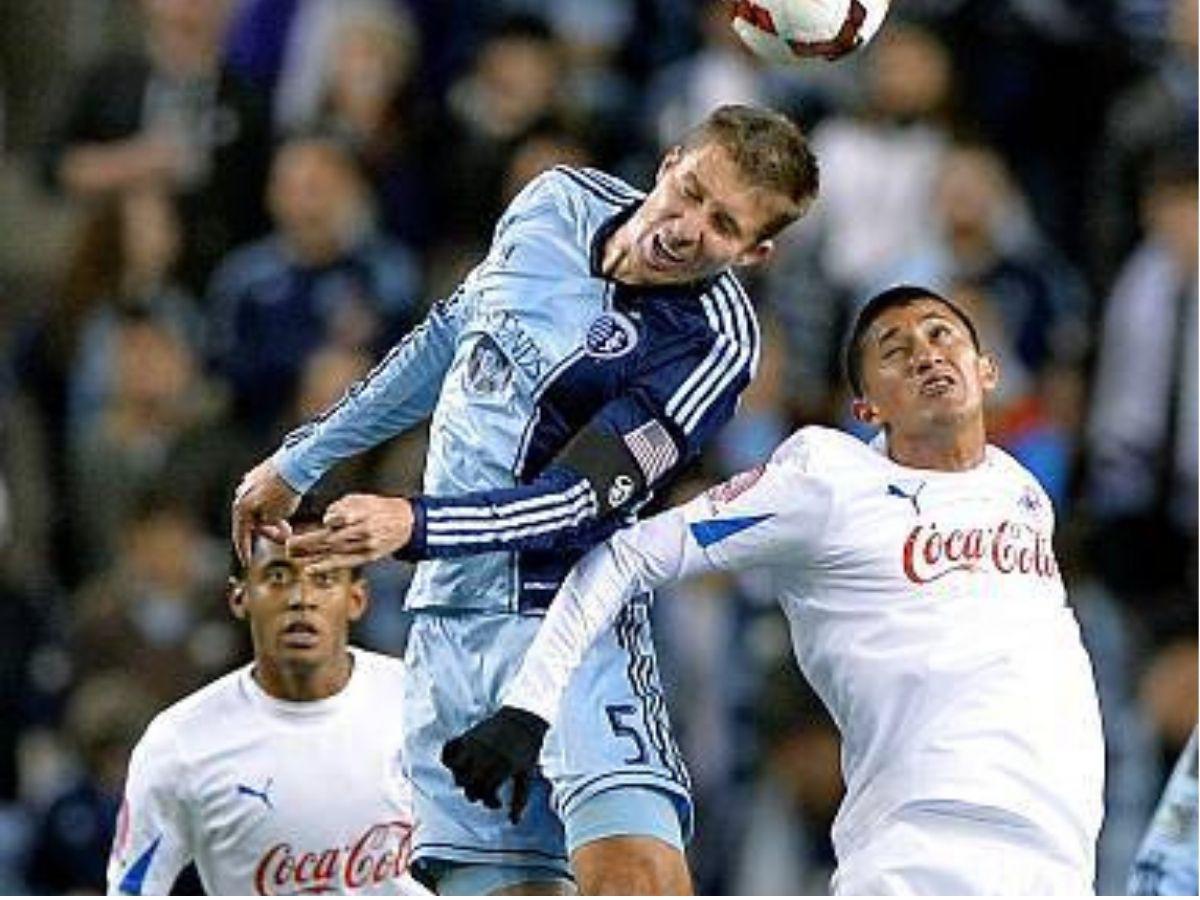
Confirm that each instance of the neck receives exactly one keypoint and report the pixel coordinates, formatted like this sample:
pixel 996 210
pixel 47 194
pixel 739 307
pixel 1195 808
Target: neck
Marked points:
pixel 615 260
pixel 955 450
pixel 309 682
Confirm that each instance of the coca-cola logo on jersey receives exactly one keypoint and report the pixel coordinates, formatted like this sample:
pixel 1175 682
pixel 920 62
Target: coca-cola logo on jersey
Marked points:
pixel 379 856
pixel 1010 548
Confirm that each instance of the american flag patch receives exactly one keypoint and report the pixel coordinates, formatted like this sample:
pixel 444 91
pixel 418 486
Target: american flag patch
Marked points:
pixel 653 449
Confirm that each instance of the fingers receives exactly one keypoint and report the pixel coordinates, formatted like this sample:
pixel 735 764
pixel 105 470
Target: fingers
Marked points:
pixel 243 535
pixel 279 531
pixel 452 757
pixel 478 786
pixel 334 562
pixel 323 542
pixel 324 551
pixel 487 797
pixel 261 504
pixel 353 509
pixel 310 543
pixel 520 796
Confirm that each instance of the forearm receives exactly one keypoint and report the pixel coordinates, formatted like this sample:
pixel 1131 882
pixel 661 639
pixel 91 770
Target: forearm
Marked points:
pixel 557 511
pixel 398 393
pixel 630 563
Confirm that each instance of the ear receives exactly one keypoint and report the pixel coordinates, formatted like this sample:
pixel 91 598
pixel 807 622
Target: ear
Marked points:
pixel 989 371
pixel 669 161
pixel 359 599
pixel 235 596
pixel 864 411
pixel 756 255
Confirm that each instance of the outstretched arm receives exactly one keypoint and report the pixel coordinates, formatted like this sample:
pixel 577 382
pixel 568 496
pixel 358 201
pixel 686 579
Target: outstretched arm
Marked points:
pixel 399 392
pixel 759 517
pixel 613 463
pixel 637 442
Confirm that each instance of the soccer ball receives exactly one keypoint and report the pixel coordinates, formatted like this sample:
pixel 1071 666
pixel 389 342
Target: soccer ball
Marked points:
pixel 788 31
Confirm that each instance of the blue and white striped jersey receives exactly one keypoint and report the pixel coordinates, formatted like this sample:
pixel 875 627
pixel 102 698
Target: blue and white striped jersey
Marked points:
pixel 533 346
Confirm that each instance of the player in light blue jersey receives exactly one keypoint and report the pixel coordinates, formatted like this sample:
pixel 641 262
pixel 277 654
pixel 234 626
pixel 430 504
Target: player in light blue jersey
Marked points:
pixel 574 373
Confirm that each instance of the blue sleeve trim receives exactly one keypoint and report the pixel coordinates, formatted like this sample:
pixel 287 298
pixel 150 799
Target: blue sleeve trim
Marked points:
pixel 712 531
pixel 555 511
pixel 415 548
pixel 135 878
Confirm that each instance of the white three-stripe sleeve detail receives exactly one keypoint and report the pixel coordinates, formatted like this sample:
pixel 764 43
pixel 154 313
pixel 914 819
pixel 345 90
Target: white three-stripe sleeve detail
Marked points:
pixel 736 340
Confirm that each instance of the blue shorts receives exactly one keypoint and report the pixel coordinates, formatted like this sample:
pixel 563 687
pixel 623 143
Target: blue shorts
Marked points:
pixel 609 767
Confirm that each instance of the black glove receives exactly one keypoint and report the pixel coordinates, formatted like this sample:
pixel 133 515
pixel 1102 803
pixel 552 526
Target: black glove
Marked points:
pixel 504 745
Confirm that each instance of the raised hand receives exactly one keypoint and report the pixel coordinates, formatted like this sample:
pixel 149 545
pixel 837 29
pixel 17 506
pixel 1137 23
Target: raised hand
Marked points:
pixel 357 529
pixel 261 505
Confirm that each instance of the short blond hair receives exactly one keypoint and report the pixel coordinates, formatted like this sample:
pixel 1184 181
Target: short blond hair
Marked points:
pixel 770 151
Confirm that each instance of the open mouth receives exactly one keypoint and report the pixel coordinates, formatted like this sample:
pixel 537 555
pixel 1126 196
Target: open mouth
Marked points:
pixel 664 256
pixel 937 385
pixel 300 634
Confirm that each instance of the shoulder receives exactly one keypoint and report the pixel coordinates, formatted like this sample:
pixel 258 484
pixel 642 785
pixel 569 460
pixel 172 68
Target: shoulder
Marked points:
pixel 1007 467
pixel 378 668
pixel 817 450
pixel 578 195
pixel 729 311
pixel 593 184
pixel 1005 463
pixel 715 310
pixel 194 715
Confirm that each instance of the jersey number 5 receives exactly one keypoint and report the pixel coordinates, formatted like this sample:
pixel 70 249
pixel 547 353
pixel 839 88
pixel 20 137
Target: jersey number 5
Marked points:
pixel 617 715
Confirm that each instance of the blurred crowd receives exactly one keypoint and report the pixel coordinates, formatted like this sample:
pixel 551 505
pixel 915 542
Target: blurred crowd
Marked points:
pixel 216 214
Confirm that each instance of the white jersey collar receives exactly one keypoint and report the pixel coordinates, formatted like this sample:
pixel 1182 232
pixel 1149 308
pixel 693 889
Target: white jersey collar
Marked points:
pixel 294 709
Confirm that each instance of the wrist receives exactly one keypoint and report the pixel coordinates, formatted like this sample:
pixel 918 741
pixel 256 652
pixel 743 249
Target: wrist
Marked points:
pixel 530 723
pixel 414 550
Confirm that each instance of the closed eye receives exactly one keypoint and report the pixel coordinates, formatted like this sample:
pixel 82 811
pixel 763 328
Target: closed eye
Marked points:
pixel 726 226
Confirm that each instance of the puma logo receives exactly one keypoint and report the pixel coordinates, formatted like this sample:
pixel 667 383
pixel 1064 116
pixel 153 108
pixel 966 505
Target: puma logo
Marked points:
pixel 264 795
pixel 895 490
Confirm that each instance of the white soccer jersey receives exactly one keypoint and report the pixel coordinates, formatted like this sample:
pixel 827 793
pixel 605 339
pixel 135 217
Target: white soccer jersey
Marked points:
pixel 270 796
pixel 926 609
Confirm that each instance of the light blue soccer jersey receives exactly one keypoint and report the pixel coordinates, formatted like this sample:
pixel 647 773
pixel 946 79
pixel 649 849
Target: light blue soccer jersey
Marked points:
pixel 534 347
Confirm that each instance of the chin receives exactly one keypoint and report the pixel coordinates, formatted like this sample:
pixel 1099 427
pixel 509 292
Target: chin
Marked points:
pixel 302 657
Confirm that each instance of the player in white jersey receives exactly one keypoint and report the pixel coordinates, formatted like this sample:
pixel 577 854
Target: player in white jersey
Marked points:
pixel 285 776
pixel 926 609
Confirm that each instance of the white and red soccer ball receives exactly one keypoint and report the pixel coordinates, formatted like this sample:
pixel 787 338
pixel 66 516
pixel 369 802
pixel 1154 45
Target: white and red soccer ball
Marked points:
pixel 789 31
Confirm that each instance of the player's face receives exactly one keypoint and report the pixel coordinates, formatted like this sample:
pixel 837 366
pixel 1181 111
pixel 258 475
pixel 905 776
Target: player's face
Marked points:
pixel 297 618
pixel 701 217
pixel 921 371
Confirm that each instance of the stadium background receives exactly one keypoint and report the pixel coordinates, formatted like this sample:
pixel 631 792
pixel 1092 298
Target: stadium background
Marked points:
pixel 1036 158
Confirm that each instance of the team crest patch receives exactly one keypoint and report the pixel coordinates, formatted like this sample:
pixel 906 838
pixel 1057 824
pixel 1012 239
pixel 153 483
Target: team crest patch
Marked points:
pixel 1031 503
pixel 610 336
pixel 728 491
pixel 488 369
